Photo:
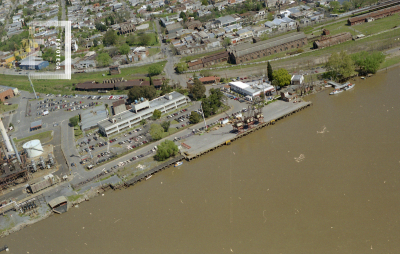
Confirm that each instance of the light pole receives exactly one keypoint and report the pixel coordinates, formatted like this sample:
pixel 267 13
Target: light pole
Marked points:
pixel 202 112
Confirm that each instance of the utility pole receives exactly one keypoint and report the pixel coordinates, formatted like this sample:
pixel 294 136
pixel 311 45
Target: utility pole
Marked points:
pixel 29 77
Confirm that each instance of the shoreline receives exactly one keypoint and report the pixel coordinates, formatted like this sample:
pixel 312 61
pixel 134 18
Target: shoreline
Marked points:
pixel 95 191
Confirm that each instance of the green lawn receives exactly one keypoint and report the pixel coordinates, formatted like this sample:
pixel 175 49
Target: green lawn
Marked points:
pixel 43 137
pixel 73 198
pixel 66 86
pixel 390 62
pixel 153 51
pixel 378 25
pixel 6 108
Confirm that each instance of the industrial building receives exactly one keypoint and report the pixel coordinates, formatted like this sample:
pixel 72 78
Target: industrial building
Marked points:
pixel 327 41
pixel 249 51
pixel 6 94
pixel 251 89
pixel 33 64
pixel 382 10
pixel 141 110
pixel 90 118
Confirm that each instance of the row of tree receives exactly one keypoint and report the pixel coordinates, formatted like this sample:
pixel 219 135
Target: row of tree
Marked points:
pixel 341 66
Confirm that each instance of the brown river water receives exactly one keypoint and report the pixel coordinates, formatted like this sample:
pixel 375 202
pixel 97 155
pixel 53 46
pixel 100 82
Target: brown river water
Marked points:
pixel 325 180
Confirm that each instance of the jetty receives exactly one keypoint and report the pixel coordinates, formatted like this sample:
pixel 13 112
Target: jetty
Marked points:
pixel 199 145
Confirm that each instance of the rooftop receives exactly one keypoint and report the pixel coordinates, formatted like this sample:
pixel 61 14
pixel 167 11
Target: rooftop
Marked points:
pixel 91 117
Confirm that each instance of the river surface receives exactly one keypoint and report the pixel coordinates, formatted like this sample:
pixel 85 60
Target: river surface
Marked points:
pixel 325 180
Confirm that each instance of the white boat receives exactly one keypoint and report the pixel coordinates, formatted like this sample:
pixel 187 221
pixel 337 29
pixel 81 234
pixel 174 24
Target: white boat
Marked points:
pixel 349 86
pixel 178 164
pixel 147 178
pixel 336 91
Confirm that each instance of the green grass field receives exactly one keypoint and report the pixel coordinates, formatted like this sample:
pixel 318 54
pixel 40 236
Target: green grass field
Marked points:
pixel 191 58
pixel 43 137
pixel 66 86
pixel 6 108
pixel 379 25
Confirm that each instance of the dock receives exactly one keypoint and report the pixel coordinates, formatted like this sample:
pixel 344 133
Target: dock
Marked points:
pixel 274 112
pixel 198 145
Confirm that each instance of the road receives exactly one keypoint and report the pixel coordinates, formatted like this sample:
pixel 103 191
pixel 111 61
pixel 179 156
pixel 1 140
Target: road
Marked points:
pixel 63 14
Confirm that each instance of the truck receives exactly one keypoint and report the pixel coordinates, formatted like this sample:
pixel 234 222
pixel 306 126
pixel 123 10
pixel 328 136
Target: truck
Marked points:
pixel 45 113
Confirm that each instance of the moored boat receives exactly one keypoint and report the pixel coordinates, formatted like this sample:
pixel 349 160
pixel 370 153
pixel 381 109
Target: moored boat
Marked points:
pixel 336 91
pixel 178 164
pixel 349 86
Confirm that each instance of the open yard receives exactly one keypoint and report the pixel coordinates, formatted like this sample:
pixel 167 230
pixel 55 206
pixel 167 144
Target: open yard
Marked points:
pixel 67 86
pixel 43 137
pixel 6 108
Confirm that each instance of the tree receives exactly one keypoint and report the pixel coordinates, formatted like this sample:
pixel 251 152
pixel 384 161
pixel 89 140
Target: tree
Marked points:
pixel 368 62
pixel 198 90
pixel 144 39
pixel 124 50
pixel 182 15
pixel 269 72
pixel 18 58
pixel 340 66
pixel 174 51
pixel 148 92
pixel 194 117
pixel 143 122
pixel 74 121
pixel 130 40
pixel 204 2
pixel 100 27
pixel 156 114
pixel 110 38
pixel 270 16
pixel 154 70
pixel 346 6
pixel 165 150
pixel 282 76
pixel 104 59
pixel 181 67
pixel 334 5
pixel 148 8
pixel 156 131
pixel 226 42
pixel 166 125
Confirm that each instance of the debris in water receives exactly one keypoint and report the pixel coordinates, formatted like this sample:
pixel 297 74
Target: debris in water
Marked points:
pixel 300 158
pixel 77 206
pixel 181 201
pixel 102 195
pixel 231 250
pixel 323 130
pixel 83 227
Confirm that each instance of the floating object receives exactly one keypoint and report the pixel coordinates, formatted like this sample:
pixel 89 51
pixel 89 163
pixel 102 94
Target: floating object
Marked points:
pixel 336 91
pixel 178 164
pixel 147 178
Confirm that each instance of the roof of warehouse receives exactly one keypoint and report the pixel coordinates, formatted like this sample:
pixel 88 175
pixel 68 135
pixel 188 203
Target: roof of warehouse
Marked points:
pixel 36 123
pixel 247 48
pixel 90 118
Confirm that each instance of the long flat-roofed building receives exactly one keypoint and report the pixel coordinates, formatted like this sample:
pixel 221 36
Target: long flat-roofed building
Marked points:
pixel 140 111
pixel 249 51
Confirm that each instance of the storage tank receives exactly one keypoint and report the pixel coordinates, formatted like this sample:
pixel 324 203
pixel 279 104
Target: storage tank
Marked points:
pixel 33 148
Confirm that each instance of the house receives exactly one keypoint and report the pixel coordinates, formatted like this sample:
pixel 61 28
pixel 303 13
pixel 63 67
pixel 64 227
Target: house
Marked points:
pixel 193 25
pixel 259 31
pixel 224 21
pixel 210 80
pixel 174 28
pixel 297 79
pixel 287 96
pixel 113 70
pixel 244 33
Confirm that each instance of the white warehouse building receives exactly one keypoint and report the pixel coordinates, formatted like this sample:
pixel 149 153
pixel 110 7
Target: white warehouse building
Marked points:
pixel 140 111
pixel 251 89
